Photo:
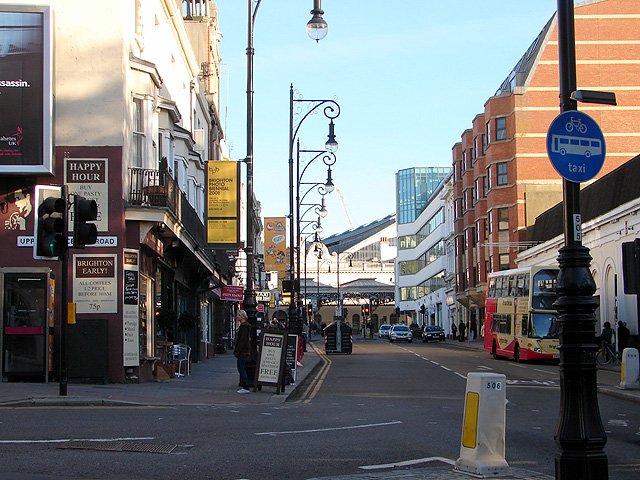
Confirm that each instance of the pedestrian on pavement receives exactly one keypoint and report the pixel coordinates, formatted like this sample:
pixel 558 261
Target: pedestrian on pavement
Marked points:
pixel 623 335
pixel 305 335
pixel 242 350
pixel 454 330
pixel 461 328
pixel 607 335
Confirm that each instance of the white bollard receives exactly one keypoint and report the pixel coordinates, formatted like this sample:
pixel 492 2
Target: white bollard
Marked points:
pixel 630 371
pixel 483 427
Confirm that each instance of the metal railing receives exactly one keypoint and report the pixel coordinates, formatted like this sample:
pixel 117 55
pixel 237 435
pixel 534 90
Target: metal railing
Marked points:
pixel 153 188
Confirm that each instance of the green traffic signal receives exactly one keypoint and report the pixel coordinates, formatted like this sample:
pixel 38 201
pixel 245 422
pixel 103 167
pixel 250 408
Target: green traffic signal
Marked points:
pixel 51 241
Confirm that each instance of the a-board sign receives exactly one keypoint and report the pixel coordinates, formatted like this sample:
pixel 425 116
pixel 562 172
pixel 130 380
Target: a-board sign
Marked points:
pixel 292 354
pixel 271 359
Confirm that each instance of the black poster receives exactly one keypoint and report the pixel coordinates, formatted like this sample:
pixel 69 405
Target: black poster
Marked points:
pixel 21 88
pixel 130 287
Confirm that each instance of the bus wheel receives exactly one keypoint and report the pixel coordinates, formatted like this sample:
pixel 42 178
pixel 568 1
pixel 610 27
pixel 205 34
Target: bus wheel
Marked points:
pixel 516 353
pixel 494 351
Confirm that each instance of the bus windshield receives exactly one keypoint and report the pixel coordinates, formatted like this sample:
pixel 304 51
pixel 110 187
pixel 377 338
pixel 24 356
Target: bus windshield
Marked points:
pixel 543 325
pixel 544 290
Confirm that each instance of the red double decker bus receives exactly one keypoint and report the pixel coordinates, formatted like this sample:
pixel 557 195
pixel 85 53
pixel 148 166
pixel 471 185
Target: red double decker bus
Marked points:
pixel 520 320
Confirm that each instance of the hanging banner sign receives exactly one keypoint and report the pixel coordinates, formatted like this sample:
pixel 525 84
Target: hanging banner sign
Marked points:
pixel 223 205
pixel 275 245
pixel 232 293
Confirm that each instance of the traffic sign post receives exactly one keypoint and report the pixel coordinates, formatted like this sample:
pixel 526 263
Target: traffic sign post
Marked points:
pixel 576 146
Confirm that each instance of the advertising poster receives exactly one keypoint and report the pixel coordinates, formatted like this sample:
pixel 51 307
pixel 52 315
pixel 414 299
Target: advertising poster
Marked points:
pixel 95 283
pixel 87 177
pixel 271 358
pixel 25 89
pixel 275 245
pixel 130 300
pixel 223 207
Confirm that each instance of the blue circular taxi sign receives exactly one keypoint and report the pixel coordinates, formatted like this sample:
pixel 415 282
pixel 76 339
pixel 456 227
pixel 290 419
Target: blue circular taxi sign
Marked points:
pixel 575 145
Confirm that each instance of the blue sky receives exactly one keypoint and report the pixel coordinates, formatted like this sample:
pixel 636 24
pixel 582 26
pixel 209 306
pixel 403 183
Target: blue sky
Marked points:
pixel 409 76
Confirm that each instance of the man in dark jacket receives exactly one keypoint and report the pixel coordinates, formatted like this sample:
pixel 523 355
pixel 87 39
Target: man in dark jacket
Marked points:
pixel 242 350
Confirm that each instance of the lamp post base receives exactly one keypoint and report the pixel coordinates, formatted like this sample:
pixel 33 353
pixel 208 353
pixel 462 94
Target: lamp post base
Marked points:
pixel 583 466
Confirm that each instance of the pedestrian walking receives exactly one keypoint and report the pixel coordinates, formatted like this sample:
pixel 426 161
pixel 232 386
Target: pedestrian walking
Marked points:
pixel 623 336
pixel 242 350
pixel 454 330
pixel 461 329
pixel 607 335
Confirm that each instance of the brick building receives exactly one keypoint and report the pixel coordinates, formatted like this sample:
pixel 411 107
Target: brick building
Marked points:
pixel 503 178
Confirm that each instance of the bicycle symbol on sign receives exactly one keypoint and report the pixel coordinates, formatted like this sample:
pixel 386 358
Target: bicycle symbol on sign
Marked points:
pixel 577 124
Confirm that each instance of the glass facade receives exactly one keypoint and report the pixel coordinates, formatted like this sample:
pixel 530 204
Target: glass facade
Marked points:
pixel 414 187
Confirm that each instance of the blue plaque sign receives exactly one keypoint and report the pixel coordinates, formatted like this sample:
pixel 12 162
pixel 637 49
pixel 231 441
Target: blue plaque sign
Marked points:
pixel 575 146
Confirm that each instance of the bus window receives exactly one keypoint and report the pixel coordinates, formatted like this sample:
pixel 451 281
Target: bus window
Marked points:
pixel 520 285
pixel 544 289
pixel 502 287
pixel 512 285
pixel 492 287
pixel 526 285
pixel 544 325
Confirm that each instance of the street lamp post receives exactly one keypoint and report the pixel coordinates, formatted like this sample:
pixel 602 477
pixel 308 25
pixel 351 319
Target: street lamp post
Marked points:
pixel 331 110
pixel 580 435
pixel 317 29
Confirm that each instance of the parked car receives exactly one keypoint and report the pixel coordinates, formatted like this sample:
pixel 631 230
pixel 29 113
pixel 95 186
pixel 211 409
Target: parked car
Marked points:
pixel 433 332
pixel 400 333
pixel 383 332
pixel 416 330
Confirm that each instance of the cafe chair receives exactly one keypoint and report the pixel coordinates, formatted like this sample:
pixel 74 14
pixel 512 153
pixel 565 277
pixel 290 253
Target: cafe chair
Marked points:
pixel 180 355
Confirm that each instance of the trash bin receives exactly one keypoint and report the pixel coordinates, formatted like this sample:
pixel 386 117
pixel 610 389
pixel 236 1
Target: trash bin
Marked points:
pixel 338 338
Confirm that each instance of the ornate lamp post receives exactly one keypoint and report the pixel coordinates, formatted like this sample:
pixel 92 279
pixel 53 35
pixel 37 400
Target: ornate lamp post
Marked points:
pixel 315 27
pixel 331 110
pixel 580 435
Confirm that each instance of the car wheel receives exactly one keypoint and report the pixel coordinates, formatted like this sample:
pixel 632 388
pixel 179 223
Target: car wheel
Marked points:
pixel 494 351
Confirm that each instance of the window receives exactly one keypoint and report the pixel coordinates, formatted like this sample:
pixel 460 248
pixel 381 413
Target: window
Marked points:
pixel 501 128
pixel 484 144
pixel 501 173
pixel 490 221
pixel 138 133
pixel 488 127
pixel 476 191
pixel 489 179
pixel 472 156
pixel 504 261
pixel 464 160
pixel 503 219
pixel 485 188
pixel 486 228
pixel 475 147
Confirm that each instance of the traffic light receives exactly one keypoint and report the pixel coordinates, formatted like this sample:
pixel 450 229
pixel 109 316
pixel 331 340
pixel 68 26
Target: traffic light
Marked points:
pixel 366 309
pixel 362 310
pixel 309 310
pixel 50 232
pixel 84 211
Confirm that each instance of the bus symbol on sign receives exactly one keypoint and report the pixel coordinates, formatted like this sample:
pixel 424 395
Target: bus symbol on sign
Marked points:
pixel 576 146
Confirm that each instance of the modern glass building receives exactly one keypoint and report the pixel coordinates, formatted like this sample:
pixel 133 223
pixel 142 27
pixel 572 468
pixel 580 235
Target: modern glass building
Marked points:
pixel 414 187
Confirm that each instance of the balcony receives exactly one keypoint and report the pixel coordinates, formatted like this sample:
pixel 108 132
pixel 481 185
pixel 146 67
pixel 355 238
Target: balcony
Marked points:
pixel 155 189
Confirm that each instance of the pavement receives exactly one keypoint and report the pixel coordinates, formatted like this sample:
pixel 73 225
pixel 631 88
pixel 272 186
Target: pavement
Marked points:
pixel 215 381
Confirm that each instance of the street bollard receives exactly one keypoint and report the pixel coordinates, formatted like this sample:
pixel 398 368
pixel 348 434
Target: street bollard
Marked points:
pixel 630 370
pixel 483 427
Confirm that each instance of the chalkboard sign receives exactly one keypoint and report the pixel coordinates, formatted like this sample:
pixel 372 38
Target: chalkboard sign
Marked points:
pixel 130 287
pixel 292 355
pixel 271 359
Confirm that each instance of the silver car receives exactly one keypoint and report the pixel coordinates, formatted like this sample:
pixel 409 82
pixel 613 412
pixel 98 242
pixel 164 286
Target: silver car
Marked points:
pixel 384 330
pixel 400 333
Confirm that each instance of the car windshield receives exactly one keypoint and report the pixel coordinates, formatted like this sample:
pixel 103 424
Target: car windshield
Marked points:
pixel 432 328
pixel 385 327
pixel 400 328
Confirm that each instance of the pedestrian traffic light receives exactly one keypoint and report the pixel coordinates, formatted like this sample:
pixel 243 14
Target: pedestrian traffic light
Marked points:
pixel 84 211
pixel 50 233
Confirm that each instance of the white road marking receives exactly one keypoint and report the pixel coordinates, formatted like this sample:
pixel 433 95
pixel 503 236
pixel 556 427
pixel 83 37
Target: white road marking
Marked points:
pixel 483 367
pixel 316 430
pixel 460 375
pixel 409 462
pixel 66 440
pixel 446 368
pixel 545 371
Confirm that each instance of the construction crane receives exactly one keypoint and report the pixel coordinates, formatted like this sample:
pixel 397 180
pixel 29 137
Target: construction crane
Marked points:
pixel 344 208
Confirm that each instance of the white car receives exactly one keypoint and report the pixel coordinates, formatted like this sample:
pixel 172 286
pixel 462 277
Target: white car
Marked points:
pixel 384 330
pixel 400 333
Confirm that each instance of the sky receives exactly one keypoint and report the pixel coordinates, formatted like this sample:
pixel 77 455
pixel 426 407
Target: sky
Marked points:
pixel 409 76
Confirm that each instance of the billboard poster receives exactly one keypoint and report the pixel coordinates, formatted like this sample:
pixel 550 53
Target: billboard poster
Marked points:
pixel 275 245
pixel 95 283
pixel 130 300
pixel 25 89
pixel 223 205
pixel 88 177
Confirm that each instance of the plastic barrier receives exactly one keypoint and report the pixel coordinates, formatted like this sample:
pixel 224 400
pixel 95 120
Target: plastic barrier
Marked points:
pixel 630 370
pixel 483 428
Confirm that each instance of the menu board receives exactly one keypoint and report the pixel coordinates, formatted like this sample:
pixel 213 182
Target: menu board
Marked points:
pixel 271 359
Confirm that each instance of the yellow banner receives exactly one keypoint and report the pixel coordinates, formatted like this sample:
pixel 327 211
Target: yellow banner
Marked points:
pixel 223 205
pixel 222 189
pixel 275 245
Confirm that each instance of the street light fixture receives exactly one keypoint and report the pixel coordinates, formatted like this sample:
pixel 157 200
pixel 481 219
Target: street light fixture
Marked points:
pixel 331 110
pixel 317 28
